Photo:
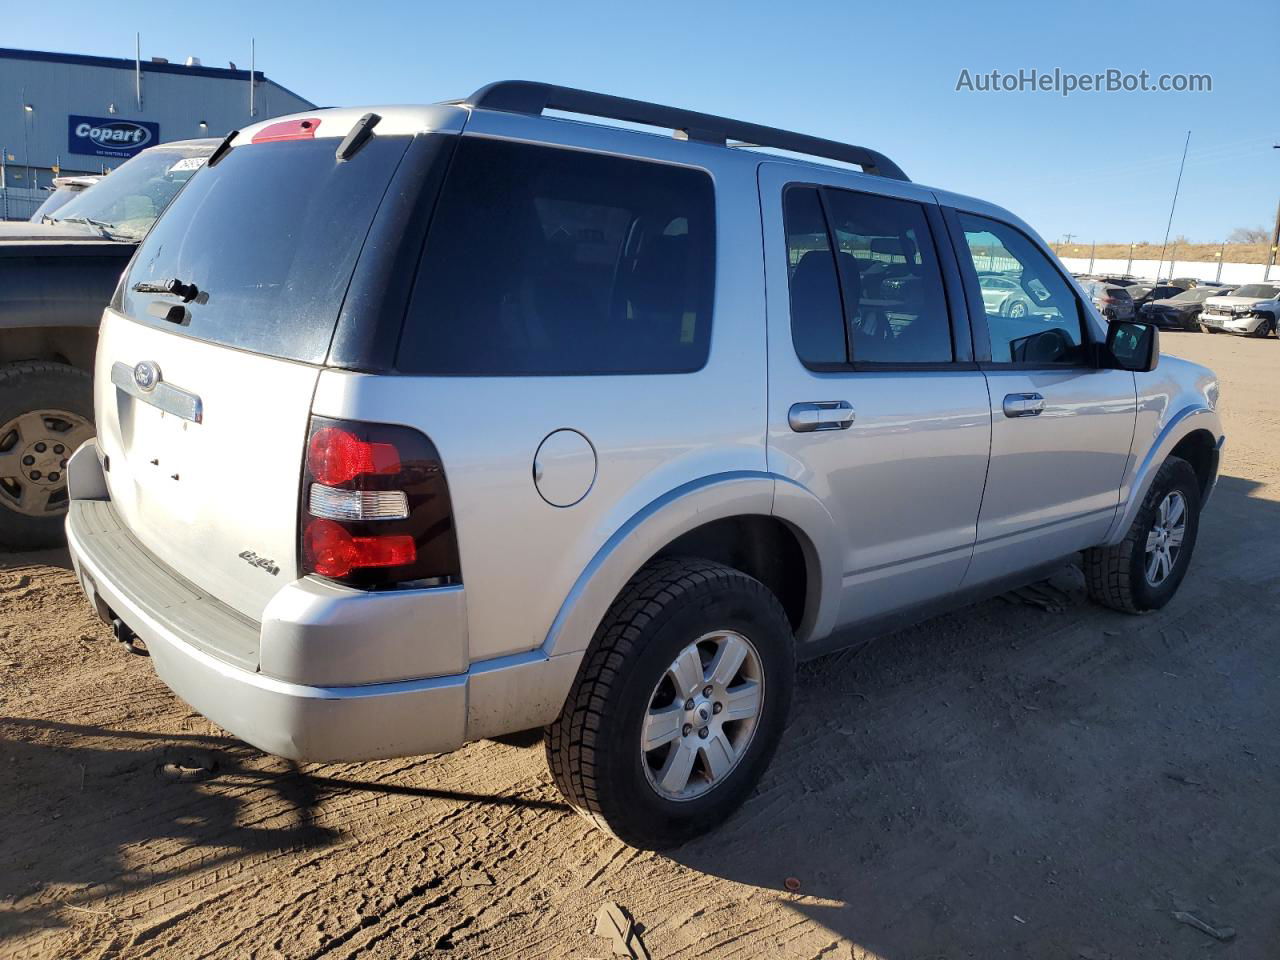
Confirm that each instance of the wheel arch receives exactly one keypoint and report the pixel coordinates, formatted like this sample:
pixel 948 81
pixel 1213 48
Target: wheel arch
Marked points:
pixel 1195 434
pixel 716 518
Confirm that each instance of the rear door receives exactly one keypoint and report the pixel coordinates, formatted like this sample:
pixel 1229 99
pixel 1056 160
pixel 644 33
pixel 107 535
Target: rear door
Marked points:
pixel 203 395
pixel 1061 428
pixel 875 404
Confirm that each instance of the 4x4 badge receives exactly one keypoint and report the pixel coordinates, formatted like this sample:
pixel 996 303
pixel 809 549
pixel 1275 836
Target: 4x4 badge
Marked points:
pixel 251 558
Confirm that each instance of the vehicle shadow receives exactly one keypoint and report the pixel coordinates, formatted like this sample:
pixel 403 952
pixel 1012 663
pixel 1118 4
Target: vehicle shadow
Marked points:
pixel 91 811
pixel 1011 781
pixel 50 557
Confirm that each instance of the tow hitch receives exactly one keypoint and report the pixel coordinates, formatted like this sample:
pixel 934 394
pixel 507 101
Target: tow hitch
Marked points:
pixel 128 639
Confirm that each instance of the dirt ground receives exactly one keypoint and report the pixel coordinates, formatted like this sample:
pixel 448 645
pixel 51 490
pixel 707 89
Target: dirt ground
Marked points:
pixel 1008 781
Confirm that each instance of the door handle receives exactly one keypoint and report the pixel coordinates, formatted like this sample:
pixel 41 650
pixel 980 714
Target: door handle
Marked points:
pixel 1023 405
pixel 820 415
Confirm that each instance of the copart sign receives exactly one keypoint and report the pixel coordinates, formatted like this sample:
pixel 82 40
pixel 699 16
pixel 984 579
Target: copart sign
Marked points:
pixel 110 136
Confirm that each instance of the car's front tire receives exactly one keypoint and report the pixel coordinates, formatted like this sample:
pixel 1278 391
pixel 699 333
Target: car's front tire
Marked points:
pixel 1265 329
pixel 1143 571
pixel 678 705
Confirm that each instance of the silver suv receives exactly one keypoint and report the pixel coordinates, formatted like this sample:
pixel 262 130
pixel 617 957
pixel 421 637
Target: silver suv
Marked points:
pixel 423 425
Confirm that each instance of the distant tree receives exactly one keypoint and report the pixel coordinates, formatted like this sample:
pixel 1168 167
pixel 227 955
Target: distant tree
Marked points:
pixel 1180 240
pixel 1248 235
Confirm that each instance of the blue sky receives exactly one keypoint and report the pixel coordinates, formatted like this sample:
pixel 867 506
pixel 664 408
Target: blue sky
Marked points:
pixel 1097 165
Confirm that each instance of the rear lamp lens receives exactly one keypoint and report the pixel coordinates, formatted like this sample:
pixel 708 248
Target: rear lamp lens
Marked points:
pixel 374 508
pixel 337 504
pixel 331 551
pixel 336 456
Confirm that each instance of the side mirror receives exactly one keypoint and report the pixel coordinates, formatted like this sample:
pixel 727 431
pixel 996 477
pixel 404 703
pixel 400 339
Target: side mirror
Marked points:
pixel 1133 345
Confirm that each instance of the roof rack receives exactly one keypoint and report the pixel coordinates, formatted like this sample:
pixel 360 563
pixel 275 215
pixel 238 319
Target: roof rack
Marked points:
pixel 529 97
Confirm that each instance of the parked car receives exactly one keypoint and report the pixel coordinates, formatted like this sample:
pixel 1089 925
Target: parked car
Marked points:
pixel 1251 310
pixel 55 277
pixel 1112 301
pixel 453 421
pixel 1181 311
pixel 1144 293
pixel 64 188
pixel 1003 296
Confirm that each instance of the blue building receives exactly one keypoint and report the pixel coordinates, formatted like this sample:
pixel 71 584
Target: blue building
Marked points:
pixel 64 114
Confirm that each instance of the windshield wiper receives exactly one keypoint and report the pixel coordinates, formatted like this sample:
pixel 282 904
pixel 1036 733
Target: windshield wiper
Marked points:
pixel 103 228
pixel 175 287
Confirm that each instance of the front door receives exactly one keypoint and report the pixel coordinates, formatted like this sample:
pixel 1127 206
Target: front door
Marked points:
pixel 1061 427
pixel 875 404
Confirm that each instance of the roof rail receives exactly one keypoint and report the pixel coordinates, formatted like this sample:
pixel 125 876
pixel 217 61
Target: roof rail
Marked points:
pixel 530 97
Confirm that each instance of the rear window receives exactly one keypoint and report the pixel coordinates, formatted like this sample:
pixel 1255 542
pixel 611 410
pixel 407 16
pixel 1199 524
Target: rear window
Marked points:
pixel 1261 290
pixel 269 237
pixel 546 261
pixel 1119 293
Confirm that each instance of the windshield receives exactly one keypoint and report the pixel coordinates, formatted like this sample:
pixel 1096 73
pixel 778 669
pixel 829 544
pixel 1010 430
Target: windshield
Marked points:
pixel 1262 291
pixel 1198 295
pixel 55 201
pixel 126 203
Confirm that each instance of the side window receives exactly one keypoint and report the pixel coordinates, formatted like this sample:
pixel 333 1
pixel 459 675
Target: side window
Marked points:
pixel 1032 314
pixel 896 305
pixel 817 323
pixel 879 299
pixel 545 261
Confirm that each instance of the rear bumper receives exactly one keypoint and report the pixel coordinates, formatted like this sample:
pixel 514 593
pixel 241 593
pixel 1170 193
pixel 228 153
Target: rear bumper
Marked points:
pixel 302 721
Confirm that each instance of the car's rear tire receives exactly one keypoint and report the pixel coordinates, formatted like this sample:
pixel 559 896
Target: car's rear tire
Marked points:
pixel 1143 571
pixel 46 411
pixel 680 622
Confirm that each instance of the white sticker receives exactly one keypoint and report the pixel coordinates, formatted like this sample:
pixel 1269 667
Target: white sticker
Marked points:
pixel 188 163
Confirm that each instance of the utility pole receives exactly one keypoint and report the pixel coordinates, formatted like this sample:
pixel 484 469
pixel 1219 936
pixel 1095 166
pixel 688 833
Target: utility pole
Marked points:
pixel 1092 247
pixel 1275 236
pixel 1066 238
pixel 1173 205
pixel 1128 269
pixel 253 66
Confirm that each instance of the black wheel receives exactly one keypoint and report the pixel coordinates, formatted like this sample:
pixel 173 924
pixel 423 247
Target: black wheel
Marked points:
pixel 678 705
pixel 1016 309
pixel 46 411
pixel 1204 328
pixel 1143 571
pixel 1265 329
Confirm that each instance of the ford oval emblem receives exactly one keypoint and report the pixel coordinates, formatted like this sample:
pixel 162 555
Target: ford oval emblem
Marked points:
pixel 146 375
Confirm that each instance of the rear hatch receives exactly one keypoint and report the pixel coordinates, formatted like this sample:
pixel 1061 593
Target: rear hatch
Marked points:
pixel 203 393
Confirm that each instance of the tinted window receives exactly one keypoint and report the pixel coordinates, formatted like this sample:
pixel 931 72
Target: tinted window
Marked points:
pixel 1262 290
pixel 817 324
pixel 1040 322
pixel 893 292
pixel 1118 293
pixel 548 261
pixel 269 236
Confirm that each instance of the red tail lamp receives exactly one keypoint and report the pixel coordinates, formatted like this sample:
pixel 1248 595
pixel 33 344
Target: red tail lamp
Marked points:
pixel 331 551
pixel 335 456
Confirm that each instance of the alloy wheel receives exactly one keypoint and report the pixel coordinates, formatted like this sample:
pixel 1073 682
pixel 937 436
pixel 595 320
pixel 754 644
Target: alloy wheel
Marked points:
pixel 1164 542
pixel 702 715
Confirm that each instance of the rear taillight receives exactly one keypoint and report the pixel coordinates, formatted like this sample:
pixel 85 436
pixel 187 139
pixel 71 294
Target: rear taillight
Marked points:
pixel 375 508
